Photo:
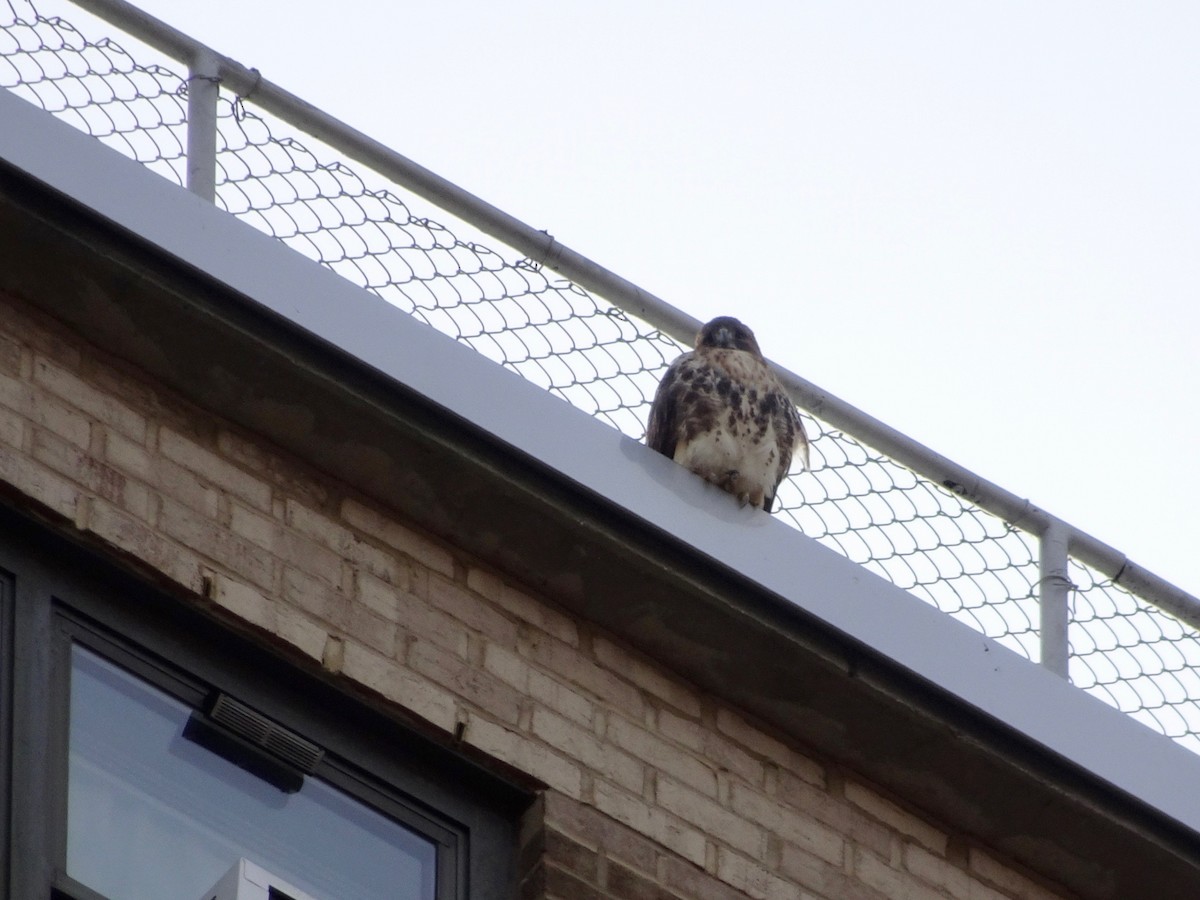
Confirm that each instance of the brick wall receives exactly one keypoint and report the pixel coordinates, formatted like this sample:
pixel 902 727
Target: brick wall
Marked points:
pixel 654 790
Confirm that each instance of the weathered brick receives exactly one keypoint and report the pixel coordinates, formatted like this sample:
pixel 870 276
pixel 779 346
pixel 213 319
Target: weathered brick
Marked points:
pixel 596 830
pixel 300 631
pixel 649 677
pixel 243 601
pixel 383 675
pixel 371 629
pixel 564 885
pixel 39 483
pixel 1014 883
pixel 946 876
pixel 694 883
pixel 571 856
pixel 481 689
pixel 666 829
pixel 82 395
pixel 892 883
pixel 507 666
pixel 45 410
pixel 79 466
pixel 563 699
pixel 469 609
pixel 520 752
pixel 792 822
pixel 580 744
pixel 835 812
pixel 418 619
pixel 753 878
pixel 567 662
pixel 710 816
pixel 392 533
pixel 621 883
pixel 315 596
pixel 893 816
pixel 10 356
pixel 179 563
pixel 12 430
pixel 294 549
pixel 209 539
pixel 219 472
pixel 746 734
pixel 708 744
pixel 522 605
pixel 661 755
pixel 253 456
pixel 825 879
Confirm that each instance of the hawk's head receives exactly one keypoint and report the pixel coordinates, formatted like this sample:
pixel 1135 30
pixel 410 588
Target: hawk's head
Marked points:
pixel 728 333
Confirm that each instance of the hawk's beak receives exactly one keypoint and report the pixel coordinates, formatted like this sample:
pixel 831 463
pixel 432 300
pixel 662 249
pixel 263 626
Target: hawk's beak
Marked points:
pixel 724 337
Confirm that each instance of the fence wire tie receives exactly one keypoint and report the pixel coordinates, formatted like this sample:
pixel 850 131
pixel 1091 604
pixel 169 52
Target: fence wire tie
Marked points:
pixel 211 79
pixel 239 102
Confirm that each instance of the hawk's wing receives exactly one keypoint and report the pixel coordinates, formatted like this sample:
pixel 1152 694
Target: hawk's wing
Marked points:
pixel 662 431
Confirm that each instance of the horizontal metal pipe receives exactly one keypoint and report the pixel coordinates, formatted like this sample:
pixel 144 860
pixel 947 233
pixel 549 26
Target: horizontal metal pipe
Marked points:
pixel 542 248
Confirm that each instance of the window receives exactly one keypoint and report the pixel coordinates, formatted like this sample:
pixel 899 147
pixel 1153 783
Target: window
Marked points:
pixel 173 755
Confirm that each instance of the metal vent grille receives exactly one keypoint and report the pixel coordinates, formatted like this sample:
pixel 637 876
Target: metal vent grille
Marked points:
pixel 257 729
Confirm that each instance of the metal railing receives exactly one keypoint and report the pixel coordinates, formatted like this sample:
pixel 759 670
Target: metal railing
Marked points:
pixel 976 551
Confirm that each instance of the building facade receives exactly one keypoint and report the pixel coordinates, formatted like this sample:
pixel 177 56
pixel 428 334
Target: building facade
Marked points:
pixel 292 585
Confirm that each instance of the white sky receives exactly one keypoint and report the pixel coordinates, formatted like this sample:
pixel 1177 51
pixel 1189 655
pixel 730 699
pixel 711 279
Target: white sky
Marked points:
pixel 979 222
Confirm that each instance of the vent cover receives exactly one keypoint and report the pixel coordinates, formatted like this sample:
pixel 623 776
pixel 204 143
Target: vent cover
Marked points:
pixel 253 742
pixel 256 728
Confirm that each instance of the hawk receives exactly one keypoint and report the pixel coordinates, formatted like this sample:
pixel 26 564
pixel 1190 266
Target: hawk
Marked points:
pixel 721 412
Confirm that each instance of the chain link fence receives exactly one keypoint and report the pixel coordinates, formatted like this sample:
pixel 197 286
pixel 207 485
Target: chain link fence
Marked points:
pixel 965 561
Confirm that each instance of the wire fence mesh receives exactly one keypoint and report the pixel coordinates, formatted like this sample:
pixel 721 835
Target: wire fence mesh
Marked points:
pixel 965 561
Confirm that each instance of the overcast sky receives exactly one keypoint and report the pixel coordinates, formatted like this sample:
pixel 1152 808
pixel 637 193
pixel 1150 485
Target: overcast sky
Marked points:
pixel 979 222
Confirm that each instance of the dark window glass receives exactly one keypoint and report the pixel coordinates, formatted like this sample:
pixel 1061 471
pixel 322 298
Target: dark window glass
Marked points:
pixel 153 816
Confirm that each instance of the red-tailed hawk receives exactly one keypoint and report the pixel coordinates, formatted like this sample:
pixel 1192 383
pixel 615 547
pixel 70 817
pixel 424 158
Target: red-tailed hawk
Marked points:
pixel 721 412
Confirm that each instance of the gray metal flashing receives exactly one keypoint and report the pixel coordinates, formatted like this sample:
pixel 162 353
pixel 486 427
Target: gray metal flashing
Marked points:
pixel 587 455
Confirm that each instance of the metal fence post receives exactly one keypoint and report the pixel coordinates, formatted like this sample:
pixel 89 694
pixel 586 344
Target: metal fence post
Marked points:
pixel 203 91
pixel 1054 594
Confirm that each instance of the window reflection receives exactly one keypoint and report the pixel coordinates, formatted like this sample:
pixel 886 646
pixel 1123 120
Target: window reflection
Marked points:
pixel 152 816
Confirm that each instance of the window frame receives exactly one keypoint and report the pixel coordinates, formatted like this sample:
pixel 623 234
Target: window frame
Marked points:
pixel 58 594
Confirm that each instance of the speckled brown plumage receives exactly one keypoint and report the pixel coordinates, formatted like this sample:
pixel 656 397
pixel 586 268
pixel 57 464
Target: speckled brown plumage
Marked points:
pixel 721 412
